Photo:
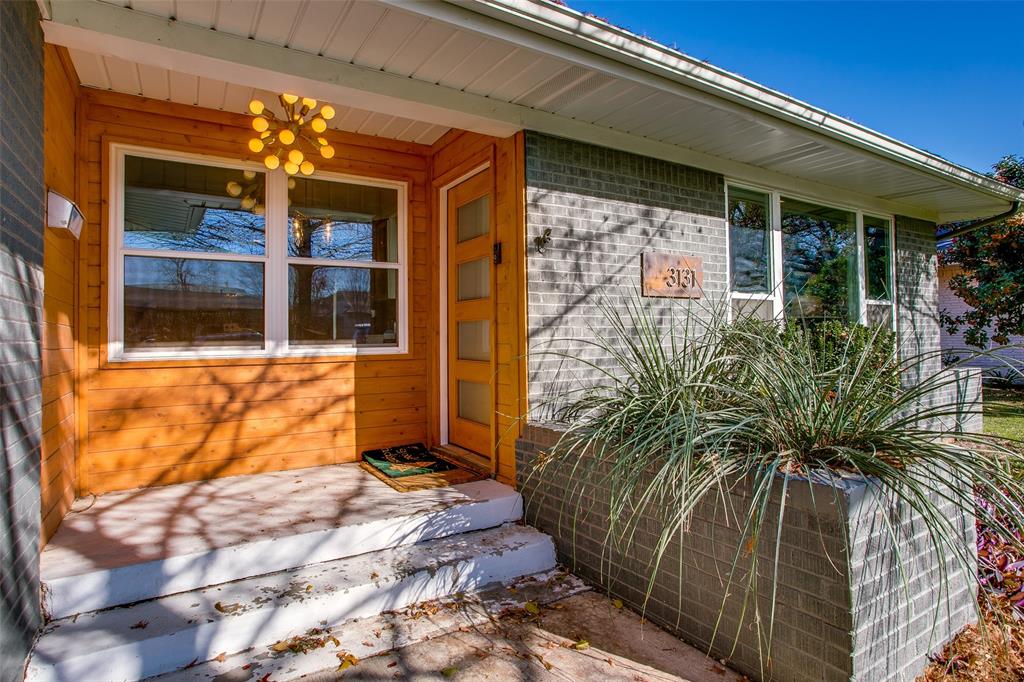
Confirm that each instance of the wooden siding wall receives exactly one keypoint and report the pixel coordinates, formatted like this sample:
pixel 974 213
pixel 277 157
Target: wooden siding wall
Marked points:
pixel 154 423
pixel 456 154
pixel 57 477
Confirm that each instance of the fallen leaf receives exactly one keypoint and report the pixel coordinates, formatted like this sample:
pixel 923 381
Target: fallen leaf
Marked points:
pixel 531 607
pixel 617 603
pixel 347 660
pixel 227 608
pixel 392 664
pixel 221 657
pixel 280 646
pixel 374 575
pixel 265 678
pixel 450 671
pixel 547 666
pixel 141 625
pixel 581 645
pixel 309 588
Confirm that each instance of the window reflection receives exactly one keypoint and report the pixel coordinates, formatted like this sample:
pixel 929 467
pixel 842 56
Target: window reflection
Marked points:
pixel 342 221
pixel 877 258
pixel 749 240
pixel 332 305
pixel 819 252
pixel 169 205
pixel 191 303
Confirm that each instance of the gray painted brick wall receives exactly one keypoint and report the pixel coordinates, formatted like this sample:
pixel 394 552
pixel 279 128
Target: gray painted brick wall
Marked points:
pixel 836 609
pixel 21 281
pixel 917 318
pixel 839 614
pixel 604 208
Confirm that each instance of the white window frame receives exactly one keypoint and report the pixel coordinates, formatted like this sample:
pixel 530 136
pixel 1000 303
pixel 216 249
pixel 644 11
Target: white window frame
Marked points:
pixel 776 294
pixel 275 261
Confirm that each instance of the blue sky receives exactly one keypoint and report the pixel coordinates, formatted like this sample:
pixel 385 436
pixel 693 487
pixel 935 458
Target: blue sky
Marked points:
pixel 943 76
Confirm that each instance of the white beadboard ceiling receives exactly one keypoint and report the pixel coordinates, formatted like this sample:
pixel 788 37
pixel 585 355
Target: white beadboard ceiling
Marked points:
pixel 112 73
pixel 533 82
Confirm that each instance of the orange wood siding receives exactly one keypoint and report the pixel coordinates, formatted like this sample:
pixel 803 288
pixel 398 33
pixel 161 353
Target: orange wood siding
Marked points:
pixel 160 422
pixel 57 477
pixel 455 154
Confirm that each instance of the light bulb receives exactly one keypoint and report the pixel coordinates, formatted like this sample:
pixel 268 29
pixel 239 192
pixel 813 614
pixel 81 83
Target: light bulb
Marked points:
pixel 327 152
pixel 286 136
pixel 249 175
pixel 291 168
pixel 306 167
pixel 234 189
pixel 248 203
pixel 259 124
pixel 271 162
pixel 291 185
pixel 309 103
pixel 291 99
pixel 318 124
pixel 327 111
pixel 295 156
pixel 256 145
pixel 256 107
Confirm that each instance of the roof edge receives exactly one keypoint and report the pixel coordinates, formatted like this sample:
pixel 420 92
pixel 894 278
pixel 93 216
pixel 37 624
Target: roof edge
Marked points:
pixel 597 36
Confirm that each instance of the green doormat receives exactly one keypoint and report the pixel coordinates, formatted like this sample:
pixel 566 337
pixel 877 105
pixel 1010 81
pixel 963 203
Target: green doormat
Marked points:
pixel 406 460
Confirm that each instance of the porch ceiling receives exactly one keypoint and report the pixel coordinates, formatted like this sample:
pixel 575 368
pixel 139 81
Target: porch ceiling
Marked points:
pixel 497 66
pixel 113 73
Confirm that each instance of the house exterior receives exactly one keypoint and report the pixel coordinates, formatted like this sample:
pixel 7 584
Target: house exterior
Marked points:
pixel 1005 361
pixel 498 168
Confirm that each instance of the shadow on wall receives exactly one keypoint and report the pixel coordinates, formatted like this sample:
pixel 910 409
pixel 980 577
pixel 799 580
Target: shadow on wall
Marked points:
pixel 604 208
pixel 917 293
pixel 20 432
pixel 220 433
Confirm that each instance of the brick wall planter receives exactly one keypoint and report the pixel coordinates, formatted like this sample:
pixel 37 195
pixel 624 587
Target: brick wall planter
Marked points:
pixel 840 614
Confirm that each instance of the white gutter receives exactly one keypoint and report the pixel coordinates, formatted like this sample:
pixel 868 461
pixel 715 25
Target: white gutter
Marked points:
pixel 597 37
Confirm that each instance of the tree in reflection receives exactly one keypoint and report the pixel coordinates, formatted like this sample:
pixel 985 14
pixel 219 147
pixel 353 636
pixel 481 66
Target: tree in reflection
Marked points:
pixel 817 257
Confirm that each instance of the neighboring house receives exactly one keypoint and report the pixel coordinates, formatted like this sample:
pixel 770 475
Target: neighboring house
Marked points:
pixel 498 169
pixel 1003 361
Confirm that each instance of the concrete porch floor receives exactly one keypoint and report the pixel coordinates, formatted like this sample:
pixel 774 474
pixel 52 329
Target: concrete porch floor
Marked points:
pixel 222 527
pixel 122 528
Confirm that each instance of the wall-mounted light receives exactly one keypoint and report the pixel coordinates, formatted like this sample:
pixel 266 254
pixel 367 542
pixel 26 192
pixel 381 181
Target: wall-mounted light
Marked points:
pixel 63 215
pixel 542 240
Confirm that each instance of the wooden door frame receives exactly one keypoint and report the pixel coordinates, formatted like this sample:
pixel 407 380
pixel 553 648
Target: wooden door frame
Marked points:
pixel 442 296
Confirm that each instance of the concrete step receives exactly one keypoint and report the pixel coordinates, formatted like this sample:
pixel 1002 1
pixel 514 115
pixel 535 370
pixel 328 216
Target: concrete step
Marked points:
pixel 169 633
pixel 376 635
pixel 129 547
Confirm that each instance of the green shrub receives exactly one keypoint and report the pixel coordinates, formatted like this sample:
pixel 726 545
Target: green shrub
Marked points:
pixel 689 406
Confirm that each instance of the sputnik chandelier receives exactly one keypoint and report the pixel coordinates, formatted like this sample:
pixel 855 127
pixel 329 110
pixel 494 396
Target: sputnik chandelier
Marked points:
pixel 286 137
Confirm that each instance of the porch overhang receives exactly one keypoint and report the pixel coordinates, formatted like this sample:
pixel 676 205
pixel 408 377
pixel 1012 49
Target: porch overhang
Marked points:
pixel 499 66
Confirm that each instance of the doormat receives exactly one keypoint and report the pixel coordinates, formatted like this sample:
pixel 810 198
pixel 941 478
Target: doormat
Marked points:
pixel 437 472
pixel 406 460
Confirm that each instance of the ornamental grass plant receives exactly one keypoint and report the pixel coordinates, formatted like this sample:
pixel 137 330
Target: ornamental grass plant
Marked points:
pixel 679 406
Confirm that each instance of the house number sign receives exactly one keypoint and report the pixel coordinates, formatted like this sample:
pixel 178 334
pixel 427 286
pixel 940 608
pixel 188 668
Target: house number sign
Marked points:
pixel 668 275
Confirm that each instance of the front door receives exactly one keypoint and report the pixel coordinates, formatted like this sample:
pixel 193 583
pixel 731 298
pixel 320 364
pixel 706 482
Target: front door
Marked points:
pixel 470 313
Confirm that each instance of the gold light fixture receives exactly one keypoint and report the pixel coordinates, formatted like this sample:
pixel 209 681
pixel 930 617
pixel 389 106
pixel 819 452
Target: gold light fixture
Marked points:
pixel 284 138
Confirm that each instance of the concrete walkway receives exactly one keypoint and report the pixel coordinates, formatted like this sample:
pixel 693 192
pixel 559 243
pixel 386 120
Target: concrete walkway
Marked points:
pixel 547 646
